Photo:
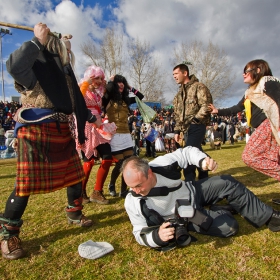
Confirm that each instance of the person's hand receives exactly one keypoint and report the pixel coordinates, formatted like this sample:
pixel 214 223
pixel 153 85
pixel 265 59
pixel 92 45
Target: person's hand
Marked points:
pixel 89 80
pixel 213 109
pixel 166 232
pixel 209 164
pixel 97 123
pixel 112 78
pixel 177 138
pixel 41 32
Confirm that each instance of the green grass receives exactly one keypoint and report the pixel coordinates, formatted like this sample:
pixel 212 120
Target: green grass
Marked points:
pixel 52 244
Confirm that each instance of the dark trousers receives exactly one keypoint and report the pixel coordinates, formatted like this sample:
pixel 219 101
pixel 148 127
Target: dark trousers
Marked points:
pixel 150 148
pixel 194 137
pixel 136 148
pixel 213 190
pixel 15 205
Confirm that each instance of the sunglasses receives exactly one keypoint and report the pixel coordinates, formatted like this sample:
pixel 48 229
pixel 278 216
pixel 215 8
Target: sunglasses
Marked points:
pixel 249 70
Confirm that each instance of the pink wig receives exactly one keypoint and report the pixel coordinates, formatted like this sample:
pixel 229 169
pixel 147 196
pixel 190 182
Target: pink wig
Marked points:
pixel 91 72
pixel 94 71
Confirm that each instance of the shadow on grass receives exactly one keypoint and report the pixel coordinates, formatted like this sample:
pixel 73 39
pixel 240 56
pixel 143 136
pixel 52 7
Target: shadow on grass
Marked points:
pixel 8 176
pixel 248 176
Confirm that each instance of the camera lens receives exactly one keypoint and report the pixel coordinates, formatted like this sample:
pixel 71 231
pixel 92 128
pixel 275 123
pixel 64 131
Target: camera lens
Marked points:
pixel 182 236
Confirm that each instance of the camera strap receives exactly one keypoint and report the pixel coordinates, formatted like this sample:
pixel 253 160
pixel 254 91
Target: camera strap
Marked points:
pixel 160 191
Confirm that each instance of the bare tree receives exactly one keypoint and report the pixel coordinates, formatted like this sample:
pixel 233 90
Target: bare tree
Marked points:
pixel 145 72
pixel 90 50
pixel 210 65
pixel 109 53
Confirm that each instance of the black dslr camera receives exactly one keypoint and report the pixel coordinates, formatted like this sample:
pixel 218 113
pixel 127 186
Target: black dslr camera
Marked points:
pixel 183 212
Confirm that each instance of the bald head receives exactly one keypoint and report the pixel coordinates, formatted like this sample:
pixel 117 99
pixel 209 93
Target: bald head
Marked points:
pixel 138 175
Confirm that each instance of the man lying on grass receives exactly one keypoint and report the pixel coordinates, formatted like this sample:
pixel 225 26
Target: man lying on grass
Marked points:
pixel 163 208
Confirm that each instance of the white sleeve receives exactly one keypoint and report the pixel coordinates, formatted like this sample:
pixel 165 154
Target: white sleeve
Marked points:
pixel 184 157
pixel 138 221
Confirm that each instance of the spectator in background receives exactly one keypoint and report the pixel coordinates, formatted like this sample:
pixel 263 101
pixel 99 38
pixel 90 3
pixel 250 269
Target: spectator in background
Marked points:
pixel 169 142
pixel 7 124
pixel 150 137
pixel 231 132
pixel 2 135
pixel 136 138
pixel 216 137
pixel 191 113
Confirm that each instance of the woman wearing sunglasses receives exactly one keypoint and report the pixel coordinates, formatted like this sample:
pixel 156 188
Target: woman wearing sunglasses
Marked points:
pixel 261 103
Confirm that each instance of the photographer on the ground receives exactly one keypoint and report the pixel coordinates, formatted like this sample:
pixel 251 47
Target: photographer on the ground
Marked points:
pixel 156 187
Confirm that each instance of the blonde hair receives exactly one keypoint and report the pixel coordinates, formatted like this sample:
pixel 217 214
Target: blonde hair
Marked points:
pixel 56 45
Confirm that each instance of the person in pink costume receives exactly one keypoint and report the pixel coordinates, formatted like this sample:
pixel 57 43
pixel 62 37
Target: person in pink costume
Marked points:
pixel 97 144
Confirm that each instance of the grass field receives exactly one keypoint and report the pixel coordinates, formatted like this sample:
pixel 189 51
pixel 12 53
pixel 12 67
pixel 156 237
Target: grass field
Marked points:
pixel 52 244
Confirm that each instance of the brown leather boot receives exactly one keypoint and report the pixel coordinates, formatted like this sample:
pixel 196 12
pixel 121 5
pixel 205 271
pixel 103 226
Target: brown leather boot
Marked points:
pixel 98 197
pixel 11 248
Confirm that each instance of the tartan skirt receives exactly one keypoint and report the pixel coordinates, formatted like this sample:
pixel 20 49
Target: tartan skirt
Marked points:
pixel 47 159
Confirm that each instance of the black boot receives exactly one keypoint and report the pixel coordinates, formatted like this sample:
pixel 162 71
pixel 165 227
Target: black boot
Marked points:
pixel 112 190
pixel 10 242
pixel 274 222
pixel 124 190
pixel 114 176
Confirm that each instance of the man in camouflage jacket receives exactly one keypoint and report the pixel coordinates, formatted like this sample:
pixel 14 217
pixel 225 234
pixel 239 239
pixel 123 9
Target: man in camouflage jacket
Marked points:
pixel 191 112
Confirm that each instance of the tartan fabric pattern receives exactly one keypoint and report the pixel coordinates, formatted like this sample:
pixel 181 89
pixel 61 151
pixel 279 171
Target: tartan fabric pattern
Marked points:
pixel 262 151
pixel 47 159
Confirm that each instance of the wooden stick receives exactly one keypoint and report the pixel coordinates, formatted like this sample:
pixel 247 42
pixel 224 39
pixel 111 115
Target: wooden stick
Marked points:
pixel 26 28
pixel 16 26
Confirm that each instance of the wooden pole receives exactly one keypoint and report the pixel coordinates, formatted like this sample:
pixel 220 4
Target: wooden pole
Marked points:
pixel 26 28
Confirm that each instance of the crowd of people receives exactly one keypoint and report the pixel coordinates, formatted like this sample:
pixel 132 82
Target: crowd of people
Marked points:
pixel 82 122
pixel 7 125
pixel 7 113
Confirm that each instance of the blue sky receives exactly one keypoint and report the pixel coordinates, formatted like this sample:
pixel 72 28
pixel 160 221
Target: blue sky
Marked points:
pixel 244 29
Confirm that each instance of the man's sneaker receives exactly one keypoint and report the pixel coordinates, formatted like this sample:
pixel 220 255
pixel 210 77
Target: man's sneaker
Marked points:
pixel 112 190
pixel 11 248
pixel 98 197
